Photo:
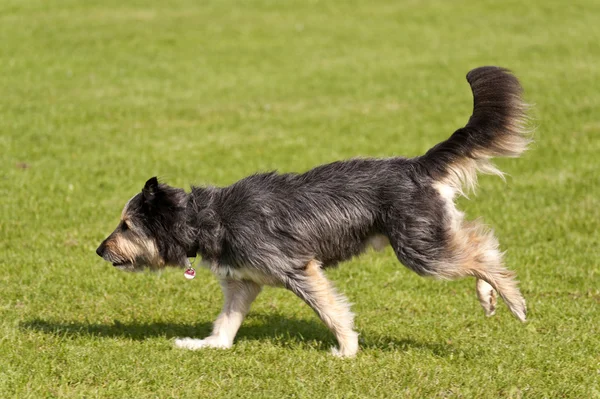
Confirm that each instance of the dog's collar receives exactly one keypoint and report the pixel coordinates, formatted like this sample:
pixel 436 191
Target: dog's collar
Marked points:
pixel 193 251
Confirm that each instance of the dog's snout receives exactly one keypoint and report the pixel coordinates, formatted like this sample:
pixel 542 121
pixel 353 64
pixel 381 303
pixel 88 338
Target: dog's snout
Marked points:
pixel 100 250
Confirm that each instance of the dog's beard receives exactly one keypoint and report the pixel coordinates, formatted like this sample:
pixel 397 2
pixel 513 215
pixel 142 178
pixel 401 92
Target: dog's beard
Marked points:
pixel 136 267
pixel 138 264
pixel 129 267
pixel 141 265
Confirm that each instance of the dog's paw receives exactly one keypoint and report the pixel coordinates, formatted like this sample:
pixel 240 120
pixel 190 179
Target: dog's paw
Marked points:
pixel 487 297
pixel 344 354
pixel 195 344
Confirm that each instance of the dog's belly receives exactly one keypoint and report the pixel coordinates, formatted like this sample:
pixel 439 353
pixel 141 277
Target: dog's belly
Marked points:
pixel 242 273
pixel 378 242
pixel 335 252
pixel 269 275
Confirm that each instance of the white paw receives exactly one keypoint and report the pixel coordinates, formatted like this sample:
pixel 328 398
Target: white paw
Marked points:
pixel 343 353
pixel 195 344
pixel 348 345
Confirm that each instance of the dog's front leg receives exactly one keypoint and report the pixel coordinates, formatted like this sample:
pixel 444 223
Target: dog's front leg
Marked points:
pixel 239 295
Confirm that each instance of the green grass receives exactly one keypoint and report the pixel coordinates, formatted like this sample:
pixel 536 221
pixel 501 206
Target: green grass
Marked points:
pixel 95 97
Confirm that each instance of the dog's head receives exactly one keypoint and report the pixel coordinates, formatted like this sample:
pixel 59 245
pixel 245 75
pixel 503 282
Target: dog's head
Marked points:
pixel 151 231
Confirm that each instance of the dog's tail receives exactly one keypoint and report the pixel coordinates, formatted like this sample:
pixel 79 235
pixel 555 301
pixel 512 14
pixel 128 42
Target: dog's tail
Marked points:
pixel 496 129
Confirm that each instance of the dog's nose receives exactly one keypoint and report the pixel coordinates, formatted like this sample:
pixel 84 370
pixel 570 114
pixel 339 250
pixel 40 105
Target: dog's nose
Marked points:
pixel 100 250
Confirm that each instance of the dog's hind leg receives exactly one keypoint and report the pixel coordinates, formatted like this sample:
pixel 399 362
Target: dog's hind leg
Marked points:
pixel 445 246
pixel 333 308
pixel 239 295
pixel 476 254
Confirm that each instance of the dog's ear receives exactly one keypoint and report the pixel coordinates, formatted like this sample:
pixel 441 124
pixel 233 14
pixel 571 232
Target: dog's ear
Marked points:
pixel 150 189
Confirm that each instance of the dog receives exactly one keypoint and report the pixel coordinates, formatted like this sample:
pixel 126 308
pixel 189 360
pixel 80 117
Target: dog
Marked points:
pixel 284 229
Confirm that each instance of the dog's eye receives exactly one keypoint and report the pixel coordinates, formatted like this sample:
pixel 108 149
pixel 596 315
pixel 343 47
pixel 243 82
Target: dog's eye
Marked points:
pixel 124 226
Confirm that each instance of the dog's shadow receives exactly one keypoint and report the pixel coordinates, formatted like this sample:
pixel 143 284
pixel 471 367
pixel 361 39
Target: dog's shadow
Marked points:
pixel 280 330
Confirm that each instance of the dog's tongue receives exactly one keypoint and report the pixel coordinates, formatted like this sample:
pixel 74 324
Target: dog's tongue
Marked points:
pixel 190 273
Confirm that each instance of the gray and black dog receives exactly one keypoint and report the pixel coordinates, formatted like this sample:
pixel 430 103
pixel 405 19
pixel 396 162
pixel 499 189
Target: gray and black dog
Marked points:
pixel 284 229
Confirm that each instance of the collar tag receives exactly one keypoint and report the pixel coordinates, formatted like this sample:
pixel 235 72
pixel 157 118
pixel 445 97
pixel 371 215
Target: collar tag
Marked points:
pixel 190 273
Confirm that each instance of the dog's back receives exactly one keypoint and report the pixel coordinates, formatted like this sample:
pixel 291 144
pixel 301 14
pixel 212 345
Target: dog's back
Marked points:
pixel 327 214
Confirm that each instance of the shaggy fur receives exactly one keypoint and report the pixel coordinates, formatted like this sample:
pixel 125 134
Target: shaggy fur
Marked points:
pixel 284 229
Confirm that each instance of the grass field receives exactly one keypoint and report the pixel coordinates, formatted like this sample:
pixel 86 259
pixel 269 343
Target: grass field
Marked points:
pixel 96 97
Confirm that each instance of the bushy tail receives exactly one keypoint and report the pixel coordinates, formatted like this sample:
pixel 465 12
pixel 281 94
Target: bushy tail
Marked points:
pixel 496 129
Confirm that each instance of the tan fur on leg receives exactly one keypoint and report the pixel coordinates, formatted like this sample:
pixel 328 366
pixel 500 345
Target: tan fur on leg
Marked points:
pixel 333 308
pixel 474 252
pixel 477 255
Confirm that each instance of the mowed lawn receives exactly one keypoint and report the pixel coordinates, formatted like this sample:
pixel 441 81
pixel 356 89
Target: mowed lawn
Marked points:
pixel 96 97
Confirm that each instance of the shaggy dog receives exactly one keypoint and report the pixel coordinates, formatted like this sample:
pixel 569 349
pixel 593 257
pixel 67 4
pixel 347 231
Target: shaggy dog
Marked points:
pixel 285 229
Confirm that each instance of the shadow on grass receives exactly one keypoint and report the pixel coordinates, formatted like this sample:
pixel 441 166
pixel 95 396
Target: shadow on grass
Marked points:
pixel 280 330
